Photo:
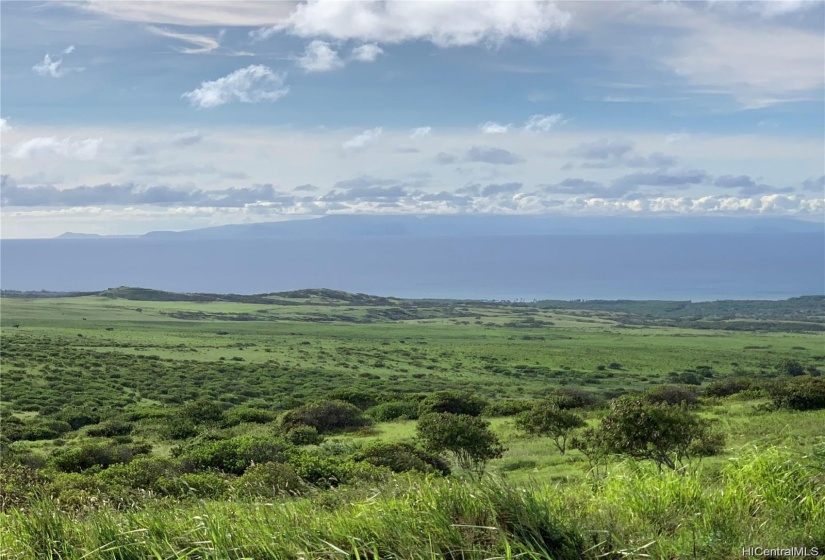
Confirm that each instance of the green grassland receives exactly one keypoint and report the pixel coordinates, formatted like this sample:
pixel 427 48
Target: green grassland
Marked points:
pixel 137 357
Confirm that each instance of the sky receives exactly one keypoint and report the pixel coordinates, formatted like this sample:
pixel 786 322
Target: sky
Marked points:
pixel 122 117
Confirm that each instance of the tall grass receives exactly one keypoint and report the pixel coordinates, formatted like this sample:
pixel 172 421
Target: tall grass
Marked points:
pixel 764 497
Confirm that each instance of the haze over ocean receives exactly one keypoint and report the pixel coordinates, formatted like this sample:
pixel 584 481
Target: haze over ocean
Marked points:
pixel 676 266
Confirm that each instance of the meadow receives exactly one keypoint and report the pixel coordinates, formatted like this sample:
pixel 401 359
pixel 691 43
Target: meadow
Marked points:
pixel 144 424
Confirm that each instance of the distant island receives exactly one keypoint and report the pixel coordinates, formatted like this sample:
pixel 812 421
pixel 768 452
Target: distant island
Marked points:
pixel 467 225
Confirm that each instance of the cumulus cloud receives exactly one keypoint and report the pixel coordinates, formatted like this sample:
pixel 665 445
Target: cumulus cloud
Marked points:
pixel 319 57
pixel 420 132
pixel 362 140
pixel 131 194
pixel 491 127
pixel 201 44
pixel 253 84
pixel 543 123
pixel 366 53
pixel 49 146
pixel 53 67
pixel 4 125
pixel 445 24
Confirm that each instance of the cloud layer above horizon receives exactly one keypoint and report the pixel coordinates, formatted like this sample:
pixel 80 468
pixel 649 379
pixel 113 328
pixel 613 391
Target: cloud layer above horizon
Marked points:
pixel 139 116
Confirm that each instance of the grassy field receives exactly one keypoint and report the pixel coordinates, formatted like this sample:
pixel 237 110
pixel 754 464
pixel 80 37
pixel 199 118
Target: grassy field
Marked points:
pixel 112 373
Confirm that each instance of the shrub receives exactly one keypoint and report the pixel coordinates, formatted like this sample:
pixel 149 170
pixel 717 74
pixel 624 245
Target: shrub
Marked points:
pixel 790 367
pixel 325 416
pixel 202 412
pixel 659 432
pixel 728 387
pixel 393 410
pixel 197 485
pixel 452 402
pixel 568 398
pixel 236 454
pixel 304 435
pixel 546 419
pixel 360 398
pixel 507 407
pixel 244 415
pixel 142 473
pixel 88 455
pixel 403 457
pixel 269 480
pixel 672 394
pixel 799 393
pixel 110 429
pixel 467 438
pixel 78 417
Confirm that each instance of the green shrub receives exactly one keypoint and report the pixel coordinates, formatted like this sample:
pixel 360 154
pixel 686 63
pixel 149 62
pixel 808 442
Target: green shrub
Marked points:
pixel 269 480
pixel 88 455
pixel 507 407
pixel 568 398
pixel 110 429
pixel 452 402
pixel 247 415
pixel 803 392
pixel 196 485
pixel 672 394
pixel 403 457
pixel 663 433
pixel 728 387
pixel 393 410
pixel 325 416
pixel 467 438
pixel 546 419
pixel 236 454
pixel 303 435
pixel 78 417
pixel 141 473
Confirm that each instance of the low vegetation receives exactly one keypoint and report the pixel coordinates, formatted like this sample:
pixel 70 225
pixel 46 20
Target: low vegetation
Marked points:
pixel 333 425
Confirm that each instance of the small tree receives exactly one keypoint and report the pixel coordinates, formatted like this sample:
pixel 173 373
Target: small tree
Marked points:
pixel 467 438
pixel 546 419
pixel 658 432
pixel 325 416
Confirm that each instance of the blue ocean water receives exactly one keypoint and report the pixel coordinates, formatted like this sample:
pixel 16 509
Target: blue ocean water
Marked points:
pixel 675 266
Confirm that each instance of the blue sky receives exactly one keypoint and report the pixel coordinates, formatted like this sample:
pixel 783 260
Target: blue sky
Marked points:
pixel 124 117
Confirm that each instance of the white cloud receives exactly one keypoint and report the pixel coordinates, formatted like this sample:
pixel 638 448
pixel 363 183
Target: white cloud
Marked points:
pixel 420 132
pixel 718 49
pixel 491 127
pixel 53 67
pixel 202 43
pixel 319 57
pixel 366 53
pixel 543 123
pixel 195 13
pixel 361 141
pixel 4 125
pixel 445 24
pixel 252 84
pixel 46 146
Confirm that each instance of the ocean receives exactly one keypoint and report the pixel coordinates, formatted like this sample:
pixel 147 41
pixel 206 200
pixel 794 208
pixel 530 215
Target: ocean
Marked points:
pixel 697 267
